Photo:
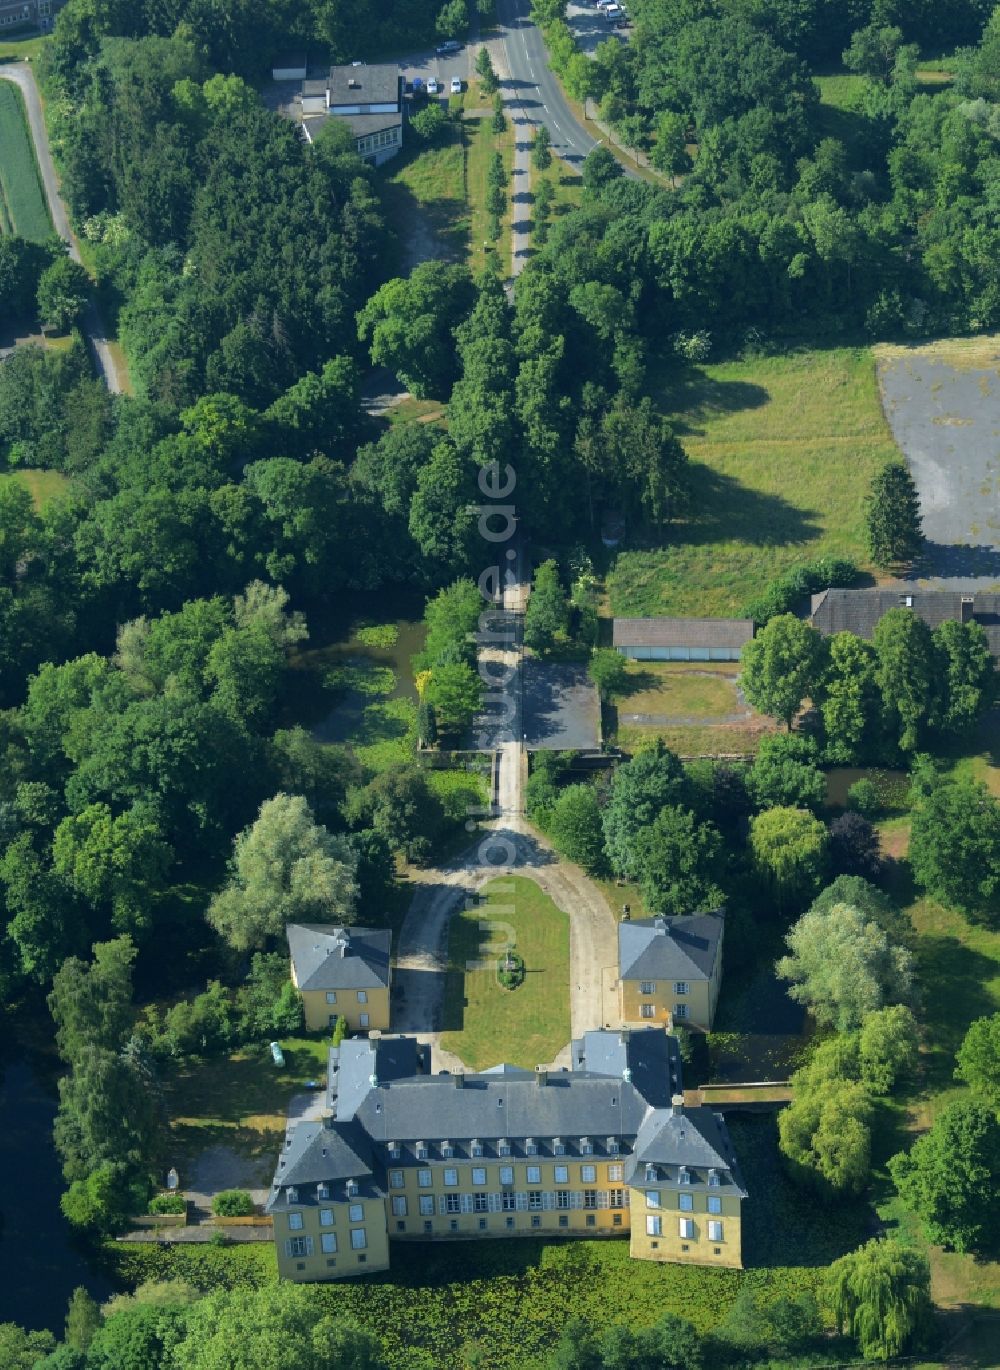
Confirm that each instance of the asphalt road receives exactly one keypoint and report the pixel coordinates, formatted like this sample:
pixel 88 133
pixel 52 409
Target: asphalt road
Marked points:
pixel 23 77
pixel 534 84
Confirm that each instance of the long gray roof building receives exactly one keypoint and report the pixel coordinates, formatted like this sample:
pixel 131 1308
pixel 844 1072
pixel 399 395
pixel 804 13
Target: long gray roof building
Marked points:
pixel 859 611
pixel 621 1098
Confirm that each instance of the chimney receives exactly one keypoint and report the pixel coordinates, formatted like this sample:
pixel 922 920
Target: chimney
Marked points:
pixel 660 924
pixel 968 608
pixel 374 1034
pixel 676 1103
pixel 459 1078
pixel 541 1076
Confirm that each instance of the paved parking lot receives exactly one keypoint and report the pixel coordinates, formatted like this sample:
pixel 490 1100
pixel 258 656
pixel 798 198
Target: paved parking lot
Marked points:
pixel 561 710
pixel 589 27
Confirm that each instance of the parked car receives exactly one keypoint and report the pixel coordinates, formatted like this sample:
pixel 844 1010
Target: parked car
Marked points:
pixel 433 85
pixel 448 48
pixel 456 85
pixel 612 14
pixel 417 86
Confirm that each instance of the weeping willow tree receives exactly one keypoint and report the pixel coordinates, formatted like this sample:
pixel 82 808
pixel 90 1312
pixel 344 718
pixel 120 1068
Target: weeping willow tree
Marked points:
pixel 881 1295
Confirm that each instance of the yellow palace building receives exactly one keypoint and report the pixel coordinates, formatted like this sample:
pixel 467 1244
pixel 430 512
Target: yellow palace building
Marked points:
pixel 602 1148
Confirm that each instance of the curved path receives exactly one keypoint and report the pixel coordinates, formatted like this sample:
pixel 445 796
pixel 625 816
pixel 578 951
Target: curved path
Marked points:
pixel 97 335
pixel 423 944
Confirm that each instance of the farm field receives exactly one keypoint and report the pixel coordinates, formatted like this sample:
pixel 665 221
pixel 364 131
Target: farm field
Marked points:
pixel 782 452
pixel 486 1023
pixel 22 202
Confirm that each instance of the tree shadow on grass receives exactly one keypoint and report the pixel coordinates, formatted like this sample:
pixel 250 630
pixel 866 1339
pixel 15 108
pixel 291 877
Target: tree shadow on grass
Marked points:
pixel 952 983
pixel 723 509
pixel 697 396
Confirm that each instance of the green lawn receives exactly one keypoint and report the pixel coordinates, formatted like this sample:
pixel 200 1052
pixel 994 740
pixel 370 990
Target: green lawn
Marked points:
pixel 782 451
pixel 485 1023
pixel 481 143
pixel 44 485
pixel 239 1099
pixel 15 49
pixel 695 739
pixel 673 688
pixel 20 187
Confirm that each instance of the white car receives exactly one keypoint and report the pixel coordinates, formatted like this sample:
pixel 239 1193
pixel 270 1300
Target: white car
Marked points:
pixel 456 85
pixel 433 85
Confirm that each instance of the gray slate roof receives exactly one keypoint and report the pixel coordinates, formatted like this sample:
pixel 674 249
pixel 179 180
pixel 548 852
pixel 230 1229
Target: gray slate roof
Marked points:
pixel 859 611
pixel 682 632
pixel 694 1139
pixel 384 1107
pixel 325 956
pixel 683 948
pixel 375 85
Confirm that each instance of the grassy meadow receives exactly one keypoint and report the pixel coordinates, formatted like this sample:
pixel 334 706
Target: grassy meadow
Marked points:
pixel 485 1023
pixel 24 209
pixel 43 485
pixel 782 450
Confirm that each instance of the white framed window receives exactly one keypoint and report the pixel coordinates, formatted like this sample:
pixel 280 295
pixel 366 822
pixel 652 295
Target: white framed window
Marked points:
pixel 331 996
pixel 478 1174
pixel 715 1231
pixel 647 987
pixel 680 1010
pixel 421 1150
pixel 326 1217
pixel 362 996
pixel 714 1203
pixel 531 1147
pixel 558 1148
pixel 395 1179
pixel 586 1146
pixel 424 1179
pixel 653 1225
pixel 357 1214
pixel 588 1173
pixel 534 1174
pixel 399 1205
pixel 450 1175
pixel 451 1203
pixel 685 1202
pixel 427 1205
pixel 504 1148
pixel 295 1222
pixel 365 1020
pixel 506 1174
pixel 477 1148
pixel 359 1238
pixel 683 1175
pixel 686 1228
pixel 299 1246
pixel 562 1174
pixel 680 987
pixel 328 1243
pixel 615 1172
pixel 646 1010
pixel 447 1151
pixel 652 1198
pixel 714 1179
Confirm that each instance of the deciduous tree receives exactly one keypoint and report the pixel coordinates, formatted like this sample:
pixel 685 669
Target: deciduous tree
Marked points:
pixel 949 1176
pixel 881 1295
pixel 955 844
pixel 782 666
pixel 789 850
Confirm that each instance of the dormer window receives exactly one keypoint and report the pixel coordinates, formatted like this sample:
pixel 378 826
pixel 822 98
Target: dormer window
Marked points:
pixel 352 1189
pixel 530 1146
pixel 421 1150
pixel 612 1143
pixel 586 1146
pixel 503 1148
pixel 651 1175
pixel 558 1146
pixel 683 1175
pixel 292 1194
pixel 714 1178
pixel 477 1147
pixel 322 1191
pixel 394 1150
pixel 447 1151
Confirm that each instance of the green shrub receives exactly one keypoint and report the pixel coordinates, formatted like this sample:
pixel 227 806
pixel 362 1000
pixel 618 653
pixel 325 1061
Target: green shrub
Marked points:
pixel 511 970
pixel 863 798
pixel 233 1203
pixel 784 594
pixel 168 1203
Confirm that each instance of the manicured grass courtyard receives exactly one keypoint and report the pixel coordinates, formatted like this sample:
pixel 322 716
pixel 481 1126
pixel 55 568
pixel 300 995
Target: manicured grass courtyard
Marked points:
pixel 678 688
pixel 485 1023
pixel 782 452
pixel 24 207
